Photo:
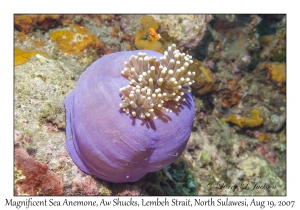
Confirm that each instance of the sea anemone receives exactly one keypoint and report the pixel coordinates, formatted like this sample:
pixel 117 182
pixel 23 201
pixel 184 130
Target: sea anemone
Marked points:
pixel 123 123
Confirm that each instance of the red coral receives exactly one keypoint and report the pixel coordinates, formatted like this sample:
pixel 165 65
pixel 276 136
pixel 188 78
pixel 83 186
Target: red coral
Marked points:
pixel 37 179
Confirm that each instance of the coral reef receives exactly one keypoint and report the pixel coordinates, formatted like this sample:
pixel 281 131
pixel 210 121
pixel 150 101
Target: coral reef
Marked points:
pixel 244 122
pixel 252 42
pixel 84 186
pixel 274 45
pixel 22 56
pixel 176 179
pixel 34 178
pixel 204 78
pixel 142 39
pixel 76 40
pixel 47 87
pixel 27 23
pixel 186 31
pixel 228 92
pixel 240 65
pixel 276 72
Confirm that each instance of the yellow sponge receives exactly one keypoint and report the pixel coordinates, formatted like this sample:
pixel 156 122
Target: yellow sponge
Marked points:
pixel 244 122
pixel 142 39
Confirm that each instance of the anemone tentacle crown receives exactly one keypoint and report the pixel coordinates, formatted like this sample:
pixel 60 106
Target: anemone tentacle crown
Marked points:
pixel 123 123
pixel 158 87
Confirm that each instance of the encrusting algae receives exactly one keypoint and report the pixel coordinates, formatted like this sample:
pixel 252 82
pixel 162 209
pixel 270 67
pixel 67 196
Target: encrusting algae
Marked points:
pixel 75 41
pixel 244 122
pixel 277 72
pixel 204 78
pixel 142 39
pixel 22 56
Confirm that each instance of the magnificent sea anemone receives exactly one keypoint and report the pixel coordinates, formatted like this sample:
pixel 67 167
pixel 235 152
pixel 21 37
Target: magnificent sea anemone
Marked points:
pixel 130 114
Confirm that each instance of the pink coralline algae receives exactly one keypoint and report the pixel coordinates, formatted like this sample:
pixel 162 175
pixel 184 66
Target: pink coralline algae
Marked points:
pixel 266 152
pixel 85 185
pixel 35 177
pixel 126 120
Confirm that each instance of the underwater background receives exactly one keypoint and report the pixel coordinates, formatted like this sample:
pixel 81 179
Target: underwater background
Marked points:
pixel 238 140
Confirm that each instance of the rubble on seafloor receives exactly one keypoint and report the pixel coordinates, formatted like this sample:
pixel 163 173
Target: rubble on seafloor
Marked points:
pixel 239 62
